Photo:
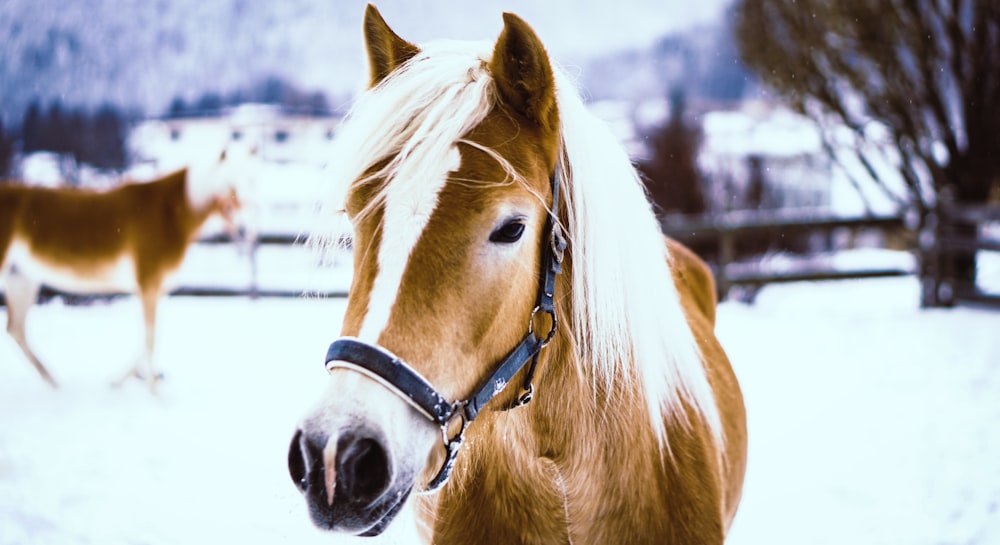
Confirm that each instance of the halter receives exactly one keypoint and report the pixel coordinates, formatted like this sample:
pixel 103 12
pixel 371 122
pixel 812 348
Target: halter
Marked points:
pixel 392 372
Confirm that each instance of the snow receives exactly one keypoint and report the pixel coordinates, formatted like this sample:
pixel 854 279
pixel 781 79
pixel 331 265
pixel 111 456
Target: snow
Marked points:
pixel 779 133
pixel 202 462
pixel 871 421
pixel 42 168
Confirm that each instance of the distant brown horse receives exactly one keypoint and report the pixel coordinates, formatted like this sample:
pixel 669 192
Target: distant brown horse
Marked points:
pixel 512 289
pixel 129 239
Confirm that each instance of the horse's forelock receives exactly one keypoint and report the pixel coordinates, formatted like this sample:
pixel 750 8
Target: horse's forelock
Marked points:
pixel 408 123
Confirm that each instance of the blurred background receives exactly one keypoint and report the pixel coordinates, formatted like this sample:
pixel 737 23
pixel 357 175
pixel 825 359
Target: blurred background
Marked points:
pixel 837 164
pixel 835 127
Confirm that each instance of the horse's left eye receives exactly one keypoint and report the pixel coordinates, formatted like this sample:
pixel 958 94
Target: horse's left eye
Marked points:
pixel 509 233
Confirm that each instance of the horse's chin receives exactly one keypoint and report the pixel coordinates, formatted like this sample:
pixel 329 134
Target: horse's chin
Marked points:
pixel 383 522
pixel 366 521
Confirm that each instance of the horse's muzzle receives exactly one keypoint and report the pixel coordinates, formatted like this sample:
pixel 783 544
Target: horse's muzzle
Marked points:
pixel 347 481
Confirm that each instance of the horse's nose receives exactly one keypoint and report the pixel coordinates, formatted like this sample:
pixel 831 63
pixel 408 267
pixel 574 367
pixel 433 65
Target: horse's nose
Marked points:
pixel 362 467
pixel 358 471
pixel 305 458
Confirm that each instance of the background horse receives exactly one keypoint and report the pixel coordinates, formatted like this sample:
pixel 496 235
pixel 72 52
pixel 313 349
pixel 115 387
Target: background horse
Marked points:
pixel 126 240
pixel 470 167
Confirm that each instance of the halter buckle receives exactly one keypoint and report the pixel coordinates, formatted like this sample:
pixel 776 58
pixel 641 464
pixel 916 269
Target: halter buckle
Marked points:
pixel 558 244
pixel 552 331
pixel 525 397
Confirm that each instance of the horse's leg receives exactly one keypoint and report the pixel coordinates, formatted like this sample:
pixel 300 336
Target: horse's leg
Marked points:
pixel 150 300
pixel 143 368
pixel 22 292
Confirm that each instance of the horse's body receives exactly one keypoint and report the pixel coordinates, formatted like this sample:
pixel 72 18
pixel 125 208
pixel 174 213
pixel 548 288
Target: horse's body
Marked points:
pixel 636 431
pixel 126 240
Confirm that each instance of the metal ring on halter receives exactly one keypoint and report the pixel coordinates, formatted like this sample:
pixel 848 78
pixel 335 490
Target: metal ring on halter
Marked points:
pixel 458 437
pixel 552 332
pixel 451 447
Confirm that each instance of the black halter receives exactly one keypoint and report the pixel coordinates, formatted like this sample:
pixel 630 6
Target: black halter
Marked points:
pixel 385 367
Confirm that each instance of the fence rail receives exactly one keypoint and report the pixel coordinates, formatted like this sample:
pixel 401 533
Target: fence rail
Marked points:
pixel 723 234
pixel 726 231
pixel 252 289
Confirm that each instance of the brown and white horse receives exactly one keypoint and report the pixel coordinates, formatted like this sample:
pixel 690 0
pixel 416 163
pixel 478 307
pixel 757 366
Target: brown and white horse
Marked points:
pixel 454 159
pixel 126 240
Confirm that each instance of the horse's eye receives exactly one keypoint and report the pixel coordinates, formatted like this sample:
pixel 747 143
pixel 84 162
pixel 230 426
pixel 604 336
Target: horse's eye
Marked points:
pixel 509 233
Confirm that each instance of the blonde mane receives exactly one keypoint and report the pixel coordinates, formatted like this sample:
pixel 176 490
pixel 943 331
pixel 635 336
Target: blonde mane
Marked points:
pixel 629 325
pixel 412 119
pixel 629 321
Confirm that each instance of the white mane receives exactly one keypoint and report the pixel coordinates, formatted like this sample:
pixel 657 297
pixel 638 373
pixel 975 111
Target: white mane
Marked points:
pixel 628 314
pixel 207 180
pixel 629 324
pixel 414 117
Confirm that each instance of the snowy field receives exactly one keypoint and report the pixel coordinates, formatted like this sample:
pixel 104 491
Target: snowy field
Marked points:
pixel 871 421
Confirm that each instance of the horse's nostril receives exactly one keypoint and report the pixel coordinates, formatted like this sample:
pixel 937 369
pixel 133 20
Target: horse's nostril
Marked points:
pixel 303 455
pixel 362 468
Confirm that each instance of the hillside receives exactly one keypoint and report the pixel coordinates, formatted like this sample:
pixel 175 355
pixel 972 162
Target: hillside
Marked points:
pixel 140 54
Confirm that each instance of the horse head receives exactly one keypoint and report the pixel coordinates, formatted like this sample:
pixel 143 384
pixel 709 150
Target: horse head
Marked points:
pixel 450 159
pixel 224 186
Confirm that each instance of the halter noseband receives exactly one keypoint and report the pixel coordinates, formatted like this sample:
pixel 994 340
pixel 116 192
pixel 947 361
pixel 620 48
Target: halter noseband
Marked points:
pixel 392 372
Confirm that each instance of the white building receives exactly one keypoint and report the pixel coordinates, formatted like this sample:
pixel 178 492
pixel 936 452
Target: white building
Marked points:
pixel 292 150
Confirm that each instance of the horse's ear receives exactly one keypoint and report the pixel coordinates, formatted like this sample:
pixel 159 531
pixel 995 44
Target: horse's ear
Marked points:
pixel 522 72
pixel 386 50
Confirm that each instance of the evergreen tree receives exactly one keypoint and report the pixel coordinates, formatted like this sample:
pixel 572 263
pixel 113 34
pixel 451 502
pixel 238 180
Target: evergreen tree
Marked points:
pixel 6 151
pixel 178 108
pixel 108 137
pixel 32 129
pixel 56 136
pixel 672 177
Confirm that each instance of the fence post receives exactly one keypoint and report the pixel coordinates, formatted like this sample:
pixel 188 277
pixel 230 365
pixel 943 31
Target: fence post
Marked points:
pixel 726 253
pixel 929 266
pixel 254 284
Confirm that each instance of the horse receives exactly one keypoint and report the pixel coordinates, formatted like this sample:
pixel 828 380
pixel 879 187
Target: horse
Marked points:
pixel 524 358
pixel 130 239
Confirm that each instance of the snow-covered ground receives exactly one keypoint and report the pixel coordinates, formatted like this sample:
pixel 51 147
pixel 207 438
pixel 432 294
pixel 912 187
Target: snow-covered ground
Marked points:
pixel 871 421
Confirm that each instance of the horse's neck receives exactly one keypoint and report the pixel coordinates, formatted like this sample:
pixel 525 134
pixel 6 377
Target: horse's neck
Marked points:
pixel 532 471
pixel 508 486
pixel 199 202
pixel 573 466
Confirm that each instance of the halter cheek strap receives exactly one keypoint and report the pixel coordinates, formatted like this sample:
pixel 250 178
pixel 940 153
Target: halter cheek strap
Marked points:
pixel 391 371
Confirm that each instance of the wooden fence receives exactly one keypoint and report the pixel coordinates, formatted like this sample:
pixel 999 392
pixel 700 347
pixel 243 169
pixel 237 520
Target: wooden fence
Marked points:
pixel 722 234
pixel 941 238
pixel 252 289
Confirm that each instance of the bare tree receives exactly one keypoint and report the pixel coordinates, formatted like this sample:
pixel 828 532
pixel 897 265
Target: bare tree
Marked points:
pixel 927 72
